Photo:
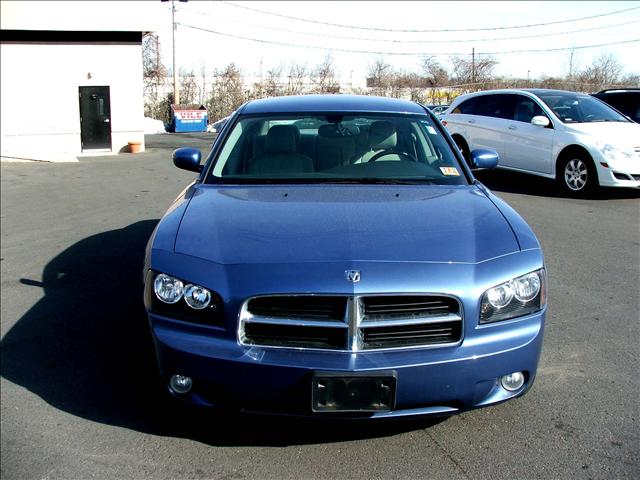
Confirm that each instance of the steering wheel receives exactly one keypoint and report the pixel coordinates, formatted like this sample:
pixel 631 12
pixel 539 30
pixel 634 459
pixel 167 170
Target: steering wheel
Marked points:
pixel 391 151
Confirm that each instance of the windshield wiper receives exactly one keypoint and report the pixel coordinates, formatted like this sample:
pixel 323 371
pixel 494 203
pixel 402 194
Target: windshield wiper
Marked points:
pixel 377 181
pixel 363 181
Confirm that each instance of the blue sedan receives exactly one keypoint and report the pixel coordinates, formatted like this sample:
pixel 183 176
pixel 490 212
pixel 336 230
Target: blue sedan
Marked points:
pixel 335 257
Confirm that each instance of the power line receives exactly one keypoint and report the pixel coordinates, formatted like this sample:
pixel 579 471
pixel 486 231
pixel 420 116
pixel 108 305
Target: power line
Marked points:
pixel 415 54
pixel 345 37
pixel 377 29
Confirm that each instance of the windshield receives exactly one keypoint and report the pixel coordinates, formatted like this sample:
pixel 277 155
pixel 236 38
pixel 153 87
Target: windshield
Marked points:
pixel 335 148
pixel 572 108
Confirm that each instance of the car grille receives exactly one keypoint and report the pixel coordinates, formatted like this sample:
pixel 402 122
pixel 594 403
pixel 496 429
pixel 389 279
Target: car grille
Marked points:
pixel 320 307
pixel 351 323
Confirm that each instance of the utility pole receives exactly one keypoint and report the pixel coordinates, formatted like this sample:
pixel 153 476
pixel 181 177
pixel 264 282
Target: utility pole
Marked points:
pixel 176 90
pixel 473 65
pixel 157 63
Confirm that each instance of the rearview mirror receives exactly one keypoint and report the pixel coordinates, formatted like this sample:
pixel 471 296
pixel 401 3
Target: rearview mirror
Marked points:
pixel 187 158
pixel 540 121
pixel 484 158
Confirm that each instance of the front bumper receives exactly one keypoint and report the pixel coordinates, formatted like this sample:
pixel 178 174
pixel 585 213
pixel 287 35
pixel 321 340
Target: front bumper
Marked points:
pixel 619 174
pixel 429 380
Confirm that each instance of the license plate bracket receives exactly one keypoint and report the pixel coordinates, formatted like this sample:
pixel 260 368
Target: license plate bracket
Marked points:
pixel 339 392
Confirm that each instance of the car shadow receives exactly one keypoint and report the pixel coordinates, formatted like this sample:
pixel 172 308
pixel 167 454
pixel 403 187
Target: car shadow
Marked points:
pixel 86 349
pixel 521 183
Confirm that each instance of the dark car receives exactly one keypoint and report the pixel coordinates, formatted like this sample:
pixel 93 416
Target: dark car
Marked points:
pixel 351 267
pixel 626 101
pixel 438 109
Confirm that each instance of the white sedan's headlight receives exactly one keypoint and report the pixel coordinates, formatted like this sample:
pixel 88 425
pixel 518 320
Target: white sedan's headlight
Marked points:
pixel 520 296
pixel 612 152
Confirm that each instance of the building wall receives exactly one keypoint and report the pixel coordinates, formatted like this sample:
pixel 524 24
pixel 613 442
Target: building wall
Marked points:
pixel 40 76
pixel 39 101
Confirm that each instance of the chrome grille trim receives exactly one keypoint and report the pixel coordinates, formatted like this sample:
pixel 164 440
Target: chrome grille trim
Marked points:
pixel 354 323
pixel 410 321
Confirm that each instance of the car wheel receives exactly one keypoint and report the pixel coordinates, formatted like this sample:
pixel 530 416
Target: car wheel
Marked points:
pixel 464 149
pixel 577 176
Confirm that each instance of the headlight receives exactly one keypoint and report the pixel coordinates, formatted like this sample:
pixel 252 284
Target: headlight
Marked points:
pixel 167 288
pixel 197 297
pixel 163 295
pixel 611 152
pixel 520 296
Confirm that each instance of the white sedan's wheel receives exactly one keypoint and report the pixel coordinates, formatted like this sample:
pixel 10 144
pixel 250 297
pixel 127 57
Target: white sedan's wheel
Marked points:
pixel 576 175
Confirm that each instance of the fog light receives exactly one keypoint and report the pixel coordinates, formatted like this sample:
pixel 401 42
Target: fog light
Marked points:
pixel 180 383
pixel 513 381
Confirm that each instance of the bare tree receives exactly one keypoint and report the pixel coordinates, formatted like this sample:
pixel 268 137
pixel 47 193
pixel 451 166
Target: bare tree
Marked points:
pixel 228 92
pixel 478 70
pixel 154 74
pixel 189 88
pixel 435 74
pixel 379 77
pixel 631 80
pixel 272 85
pixel 323 77
pixel 296 79
pixel 605 70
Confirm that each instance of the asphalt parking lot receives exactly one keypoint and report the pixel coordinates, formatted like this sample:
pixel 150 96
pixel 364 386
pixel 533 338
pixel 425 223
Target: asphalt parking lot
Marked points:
pixel 79 397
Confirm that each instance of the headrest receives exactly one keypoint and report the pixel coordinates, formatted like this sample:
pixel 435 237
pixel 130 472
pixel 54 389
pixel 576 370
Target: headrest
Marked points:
pixel 337 130
pixel 282 139
pixel 382 135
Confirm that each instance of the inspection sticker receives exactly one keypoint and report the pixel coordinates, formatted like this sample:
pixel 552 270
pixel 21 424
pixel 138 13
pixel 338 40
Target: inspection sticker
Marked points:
pixel 450 171
pixel 431 130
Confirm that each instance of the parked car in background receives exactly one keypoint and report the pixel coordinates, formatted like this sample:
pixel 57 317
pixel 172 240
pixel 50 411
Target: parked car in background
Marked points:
pixel 438 109
pixel 336 257
pixel 626 101
pixel 217 126
pixel 580 141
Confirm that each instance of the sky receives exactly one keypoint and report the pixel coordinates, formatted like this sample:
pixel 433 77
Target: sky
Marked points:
pixel 504 29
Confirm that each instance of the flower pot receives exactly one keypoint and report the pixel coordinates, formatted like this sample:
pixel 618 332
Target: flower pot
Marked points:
pixel 134 147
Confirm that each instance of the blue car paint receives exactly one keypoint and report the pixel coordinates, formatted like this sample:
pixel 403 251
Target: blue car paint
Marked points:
pixel 242 241
pixel 324 223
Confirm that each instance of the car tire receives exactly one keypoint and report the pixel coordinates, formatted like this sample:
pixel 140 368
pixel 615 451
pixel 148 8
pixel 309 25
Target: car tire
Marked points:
pixel 577 176
pixel 464 148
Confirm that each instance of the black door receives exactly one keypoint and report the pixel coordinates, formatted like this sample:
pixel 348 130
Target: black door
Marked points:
pixel 95 117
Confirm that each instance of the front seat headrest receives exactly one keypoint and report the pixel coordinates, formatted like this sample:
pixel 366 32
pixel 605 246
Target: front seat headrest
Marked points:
pixel 382 135
pixel 281 139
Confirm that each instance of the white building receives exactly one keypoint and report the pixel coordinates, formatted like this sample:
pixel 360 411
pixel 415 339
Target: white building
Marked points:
pixel 71 78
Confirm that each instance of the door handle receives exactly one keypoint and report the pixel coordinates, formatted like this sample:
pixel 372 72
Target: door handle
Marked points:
pixel 471 121
pixel 106 120
pixel 512 127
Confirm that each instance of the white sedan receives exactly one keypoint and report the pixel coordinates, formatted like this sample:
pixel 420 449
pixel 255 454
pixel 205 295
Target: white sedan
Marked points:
pixel 576 139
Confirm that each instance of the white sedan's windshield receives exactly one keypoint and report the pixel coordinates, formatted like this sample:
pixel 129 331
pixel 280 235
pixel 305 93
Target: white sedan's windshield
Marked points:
pixel 572 108
pixel 336 148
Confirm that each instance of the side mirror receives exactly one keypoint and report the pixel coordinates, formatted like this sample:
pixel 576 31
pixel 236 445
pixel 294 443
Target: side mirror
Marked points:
pixel 540 121
pixel 484 158
pixel 187 158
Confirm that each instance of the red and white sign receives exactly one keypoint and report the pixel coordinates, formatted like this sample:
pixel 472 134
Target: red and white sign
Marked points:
pixel 190 114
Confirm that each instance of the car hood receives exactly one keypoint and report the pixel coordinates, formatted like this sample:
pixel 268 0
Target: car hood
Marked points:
pixel 615 133
pixel 342 223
